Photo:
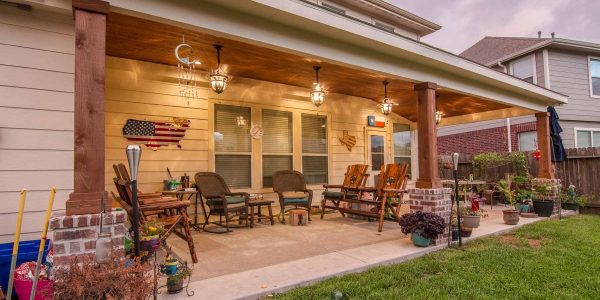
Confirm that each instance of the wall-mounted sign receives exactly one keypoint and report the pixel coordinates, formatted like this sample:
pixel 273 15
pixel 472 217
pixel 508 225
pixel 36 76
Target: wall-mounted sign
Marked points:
pixel 155 134
pixel 373 122
pixel 348 140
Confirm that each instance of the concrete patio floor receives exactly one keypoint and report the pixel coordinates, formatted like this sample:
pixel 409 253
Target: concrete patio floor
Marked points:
pixel 251 263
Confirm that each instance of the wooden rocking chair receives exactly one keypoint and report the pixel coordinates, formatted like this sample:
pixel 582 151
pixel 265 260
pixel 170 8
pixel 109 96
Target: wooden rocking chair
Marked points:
pixel 166 210
pixel 355 177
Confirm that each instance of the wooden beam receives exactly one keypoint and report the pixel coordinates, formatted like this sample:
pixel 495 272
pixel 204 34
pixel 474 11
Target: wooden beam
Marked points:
pixel 427 137
pixel 90 46
pixel 544 144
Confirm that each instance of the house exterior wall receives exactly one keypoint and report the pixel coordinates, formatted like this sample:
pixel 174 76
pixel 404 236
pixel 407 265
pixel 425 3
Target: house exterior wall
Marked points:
pixel 36 115
pixel 147 91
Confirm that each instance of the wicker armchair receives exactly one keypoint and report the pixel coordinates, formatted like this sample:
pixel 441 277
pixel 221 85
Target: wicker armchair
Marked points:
pixel 221 201
pixel 291 190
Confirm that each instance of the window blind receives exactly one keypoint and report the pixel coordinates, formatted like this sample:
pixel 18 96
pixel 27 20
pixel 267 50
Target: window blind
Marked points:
pixel 314 148
pixel 277 136
pixel 402 153
pixel 272 164
pixel 233 145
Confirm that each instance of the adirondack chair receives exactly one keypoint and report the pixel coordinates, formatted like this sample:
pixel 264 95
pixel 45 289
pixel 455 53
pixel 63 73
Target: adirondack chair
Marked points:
pixel 165 210
pixel 355 177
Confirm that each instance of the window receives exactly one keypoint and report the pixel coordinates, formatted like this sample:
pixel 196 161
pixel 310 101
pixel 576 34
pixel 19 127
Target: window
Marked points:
pixel 524 68
pixel 332 7
pixel 587 138
pixel 527 140
pixel 594 77
pixel 233 145
pixel 277 143
pixel 314 148
pixel 402 145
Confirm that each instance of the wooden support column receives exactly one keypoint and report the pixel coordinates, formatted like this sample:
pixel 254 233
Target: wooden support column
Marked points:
pixel 544 144
pixel 90 50
pixel 427 137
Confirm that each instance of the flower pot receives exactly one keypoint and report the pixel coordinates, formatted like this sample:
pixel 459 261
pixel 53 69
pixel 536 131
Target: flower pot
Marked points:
pixel 543 208
pixel 466 231
pixel 454 234
pixel 171 266
pixel 510 216
pixel 471 221
pixel 523 208
pixel 149 242
pixel 174 284
pixel 570 206
pixel 23 289
pixel 419 240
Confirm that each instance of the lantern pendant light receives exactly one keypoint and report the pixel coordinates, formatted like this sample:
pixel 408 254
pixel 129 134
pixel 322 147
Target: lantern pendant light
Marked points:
pixel 387 104
pixel 218 78
pixel 317 95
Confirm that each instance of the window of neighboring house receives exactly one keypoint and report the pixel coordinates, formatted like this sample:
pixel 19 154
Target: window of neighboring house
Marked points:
pixel 333 7
pixel 524 68
pixel 587 138
pixel 233 145
pixel 402 145
pixel 277 143
pixel 527 140
pixel 314 148
pixel 595 77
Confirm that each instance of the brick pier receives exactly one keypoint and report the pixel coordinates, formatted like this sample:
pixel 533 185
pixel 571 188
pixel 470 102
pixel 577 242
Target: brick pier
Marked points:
pixel 437 201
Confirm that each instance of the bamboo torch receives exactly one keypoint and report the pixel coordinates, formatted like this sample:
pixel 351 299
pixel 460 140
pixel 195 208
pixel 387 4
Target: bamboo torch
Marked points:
pixel 42 244
pixel 13 262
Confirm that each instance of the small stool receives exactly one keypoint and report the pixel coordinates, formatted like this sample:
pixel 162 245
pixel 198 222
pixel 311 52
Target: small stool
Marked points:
pixel 298 217
pixel 259 203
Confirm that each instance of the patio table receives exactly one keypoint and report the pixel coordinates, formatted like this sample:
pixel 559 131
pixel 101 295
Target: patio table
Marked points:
pixel 464 184
pixel 180 194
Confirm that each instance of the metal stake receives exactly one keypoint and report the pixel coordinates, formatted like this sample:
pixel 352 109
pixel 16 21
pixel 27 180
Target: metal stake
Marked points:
pixel 455 161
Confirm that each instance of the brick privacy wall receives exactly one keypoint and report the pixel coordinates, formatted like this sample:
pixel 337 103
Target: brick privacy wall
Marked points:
pixel 556 187
pixel 75 236
pixel 485 140
pixel 437 201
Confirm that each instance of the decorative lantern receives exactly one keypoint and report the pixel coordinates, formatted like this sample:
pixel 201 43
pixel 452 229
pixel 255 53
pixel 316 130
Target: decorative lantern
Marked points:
pixel 537 154
pixel 218 78
pixel 387 104
pixel 438 117
pixel 317 96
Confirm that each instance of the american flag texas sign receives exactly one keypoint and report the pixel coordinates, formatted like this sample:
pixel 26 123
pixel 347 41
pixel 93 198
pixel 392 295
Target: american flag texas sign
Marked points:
pixel 155 134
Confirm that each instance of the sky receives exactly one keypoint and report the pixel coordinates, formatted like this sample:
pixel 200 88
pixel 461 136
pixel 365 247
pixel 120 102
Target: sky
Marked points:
pixel 464 22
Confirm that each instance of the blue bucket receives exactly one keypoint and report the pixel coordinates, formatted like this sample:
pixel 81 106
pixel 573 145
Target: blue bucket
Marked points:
pixel 28 251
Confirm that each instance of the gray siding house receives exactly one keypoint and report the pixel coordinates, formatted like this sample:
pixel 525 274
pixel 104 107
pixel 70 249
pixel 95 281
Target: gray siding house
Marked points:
pixel 566 66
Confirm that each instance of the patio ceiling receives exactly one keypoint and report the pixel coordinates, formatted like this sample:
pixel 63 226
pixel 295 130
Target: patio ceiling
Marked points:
pixel 146 40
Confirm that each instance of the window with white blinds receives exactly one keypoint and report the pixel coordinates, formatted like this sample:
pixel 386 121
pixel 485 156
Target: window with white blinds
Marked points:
pixel 402 144
pixel 277 143
pixel 314 148
pixel 233 144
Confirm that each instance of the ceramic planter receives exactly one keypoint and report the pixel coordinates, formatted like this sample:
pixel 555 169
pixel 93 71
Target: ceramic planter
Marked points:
pixel 523 208
pixel 171 266
pixel 570 206
pixel 419 240
pixel 149 242
pixel 454 234
pixel 471 221
pixel 466 231
pixel 174 284
pixel 543 208
pixel 510 216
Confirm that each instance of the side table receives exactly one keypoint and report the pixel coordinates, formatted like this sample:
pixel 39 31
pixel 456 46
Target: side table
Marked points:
pixel 259 203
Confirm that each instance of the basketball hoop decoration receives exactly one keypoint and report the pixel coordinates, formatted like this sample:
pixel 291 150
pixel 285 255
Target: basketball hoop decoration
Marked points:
pixel 537 154
pixel 186 66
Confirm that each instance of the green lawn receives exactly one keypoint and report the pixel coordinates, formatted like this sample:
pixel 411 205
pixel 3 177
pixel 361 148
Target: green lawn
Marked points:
pixel 553 259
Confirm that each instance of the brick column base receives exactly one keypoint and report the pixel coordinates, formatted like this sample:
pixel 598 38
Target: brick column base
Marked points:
pixel 75 236
pixel 437 201
pixel 555 194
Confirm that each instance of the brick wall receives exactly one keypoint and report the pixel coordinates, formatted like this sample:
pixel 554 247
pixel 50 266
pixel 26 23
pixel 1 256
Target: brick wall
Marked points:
pixel 485 140
pixel 437 201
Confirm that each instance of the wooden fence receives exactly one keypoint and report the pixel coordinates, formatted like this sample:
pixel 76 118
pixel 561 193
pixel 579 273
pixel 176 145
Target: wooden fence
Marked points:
pixel 582 169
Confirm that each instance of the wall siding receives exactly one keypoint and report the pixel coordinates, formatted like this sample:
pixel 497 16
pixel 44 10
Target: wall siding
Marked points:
pixel 36 115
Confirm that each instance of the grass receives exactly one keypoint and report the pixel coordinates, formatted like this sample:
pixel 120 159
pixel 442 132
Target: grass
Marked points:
pixel 552 259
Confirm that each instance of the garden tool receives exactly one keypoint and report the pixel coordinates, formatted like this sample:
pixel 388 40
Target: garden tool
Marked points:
pixel 42 244
pixel 13 262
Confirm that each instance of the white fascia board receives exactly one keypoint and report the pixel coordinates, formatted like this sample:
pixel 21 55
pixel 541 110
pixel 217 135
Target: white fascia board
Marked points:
pixel 303 29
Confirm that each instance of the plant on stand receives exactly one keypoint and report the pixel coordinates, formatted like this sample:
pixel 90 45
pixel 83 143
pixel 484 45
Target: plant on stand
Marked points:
pixel 570 200
pixel 150 236
pixel 511 215
pixel 543 204
pixel 471 218
pixel 422 226
pixel 523 201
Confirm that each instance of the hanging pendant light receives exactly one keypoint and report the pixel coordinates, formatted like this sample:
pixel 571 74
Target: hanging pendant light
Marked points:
pixel 387 104
pixel 218 78
pixel 317 96
pixel 438 117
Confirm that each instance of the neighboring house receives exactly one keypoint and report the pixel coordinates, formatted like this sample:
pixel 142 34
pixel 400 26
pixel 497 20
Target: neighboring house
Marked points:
pixel 565 66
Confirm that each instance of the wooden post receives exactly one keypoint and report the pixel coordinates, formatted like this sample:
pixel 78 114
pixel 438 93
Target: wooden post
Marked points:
pixel 90 50
pixel 544 144
pixel 427 137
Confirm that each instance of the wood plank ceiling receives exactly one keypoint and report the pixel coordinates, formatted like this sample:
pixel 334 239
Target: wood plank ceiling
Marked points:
pixel 145 40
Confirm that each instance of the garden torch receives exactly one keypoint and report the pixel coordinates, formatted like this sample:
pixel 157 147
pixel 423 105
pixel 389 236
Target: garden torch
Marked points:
pixel 134 152
pixel 455 172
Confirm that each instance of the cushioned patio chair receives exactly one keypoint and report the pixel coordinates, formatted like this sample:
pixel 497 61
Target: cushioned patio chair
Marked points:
pixel 221 201
pixel 291 190
pixel 354 178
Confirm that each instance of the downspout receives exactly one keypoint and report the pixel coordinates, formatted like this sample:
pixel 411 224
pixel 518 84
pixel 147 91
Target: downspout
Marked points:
pixel 499 63
pixel 508 135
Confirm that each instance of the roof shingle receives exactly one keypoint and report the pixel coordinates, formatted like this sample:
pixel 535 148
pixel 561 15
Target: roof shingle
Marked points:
pixel 490 48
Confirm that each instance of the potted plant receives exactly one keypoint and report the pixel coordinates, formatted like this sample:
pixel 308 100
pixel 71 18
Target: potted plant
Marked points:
pixel 422 226
pixel 471 218
pixel 511 215
pixel 543 205
pixel 150 235
pixel 571 201
pixel 175 281
pixel 523 201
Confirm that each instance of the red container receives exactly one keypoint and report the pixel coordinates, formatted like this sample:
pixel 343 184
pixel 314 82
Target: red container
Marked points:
pixel 44 289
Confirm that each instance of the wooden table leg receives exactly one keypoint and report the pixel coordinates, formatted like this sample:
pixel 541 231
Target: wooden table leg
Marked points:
pixel 271 215
pixel 251 216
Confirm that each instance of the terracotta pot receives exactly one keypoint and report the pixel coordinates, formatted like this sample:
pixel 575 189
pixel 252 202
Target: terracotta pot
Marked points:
pixel 471 221
pixel 511 216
